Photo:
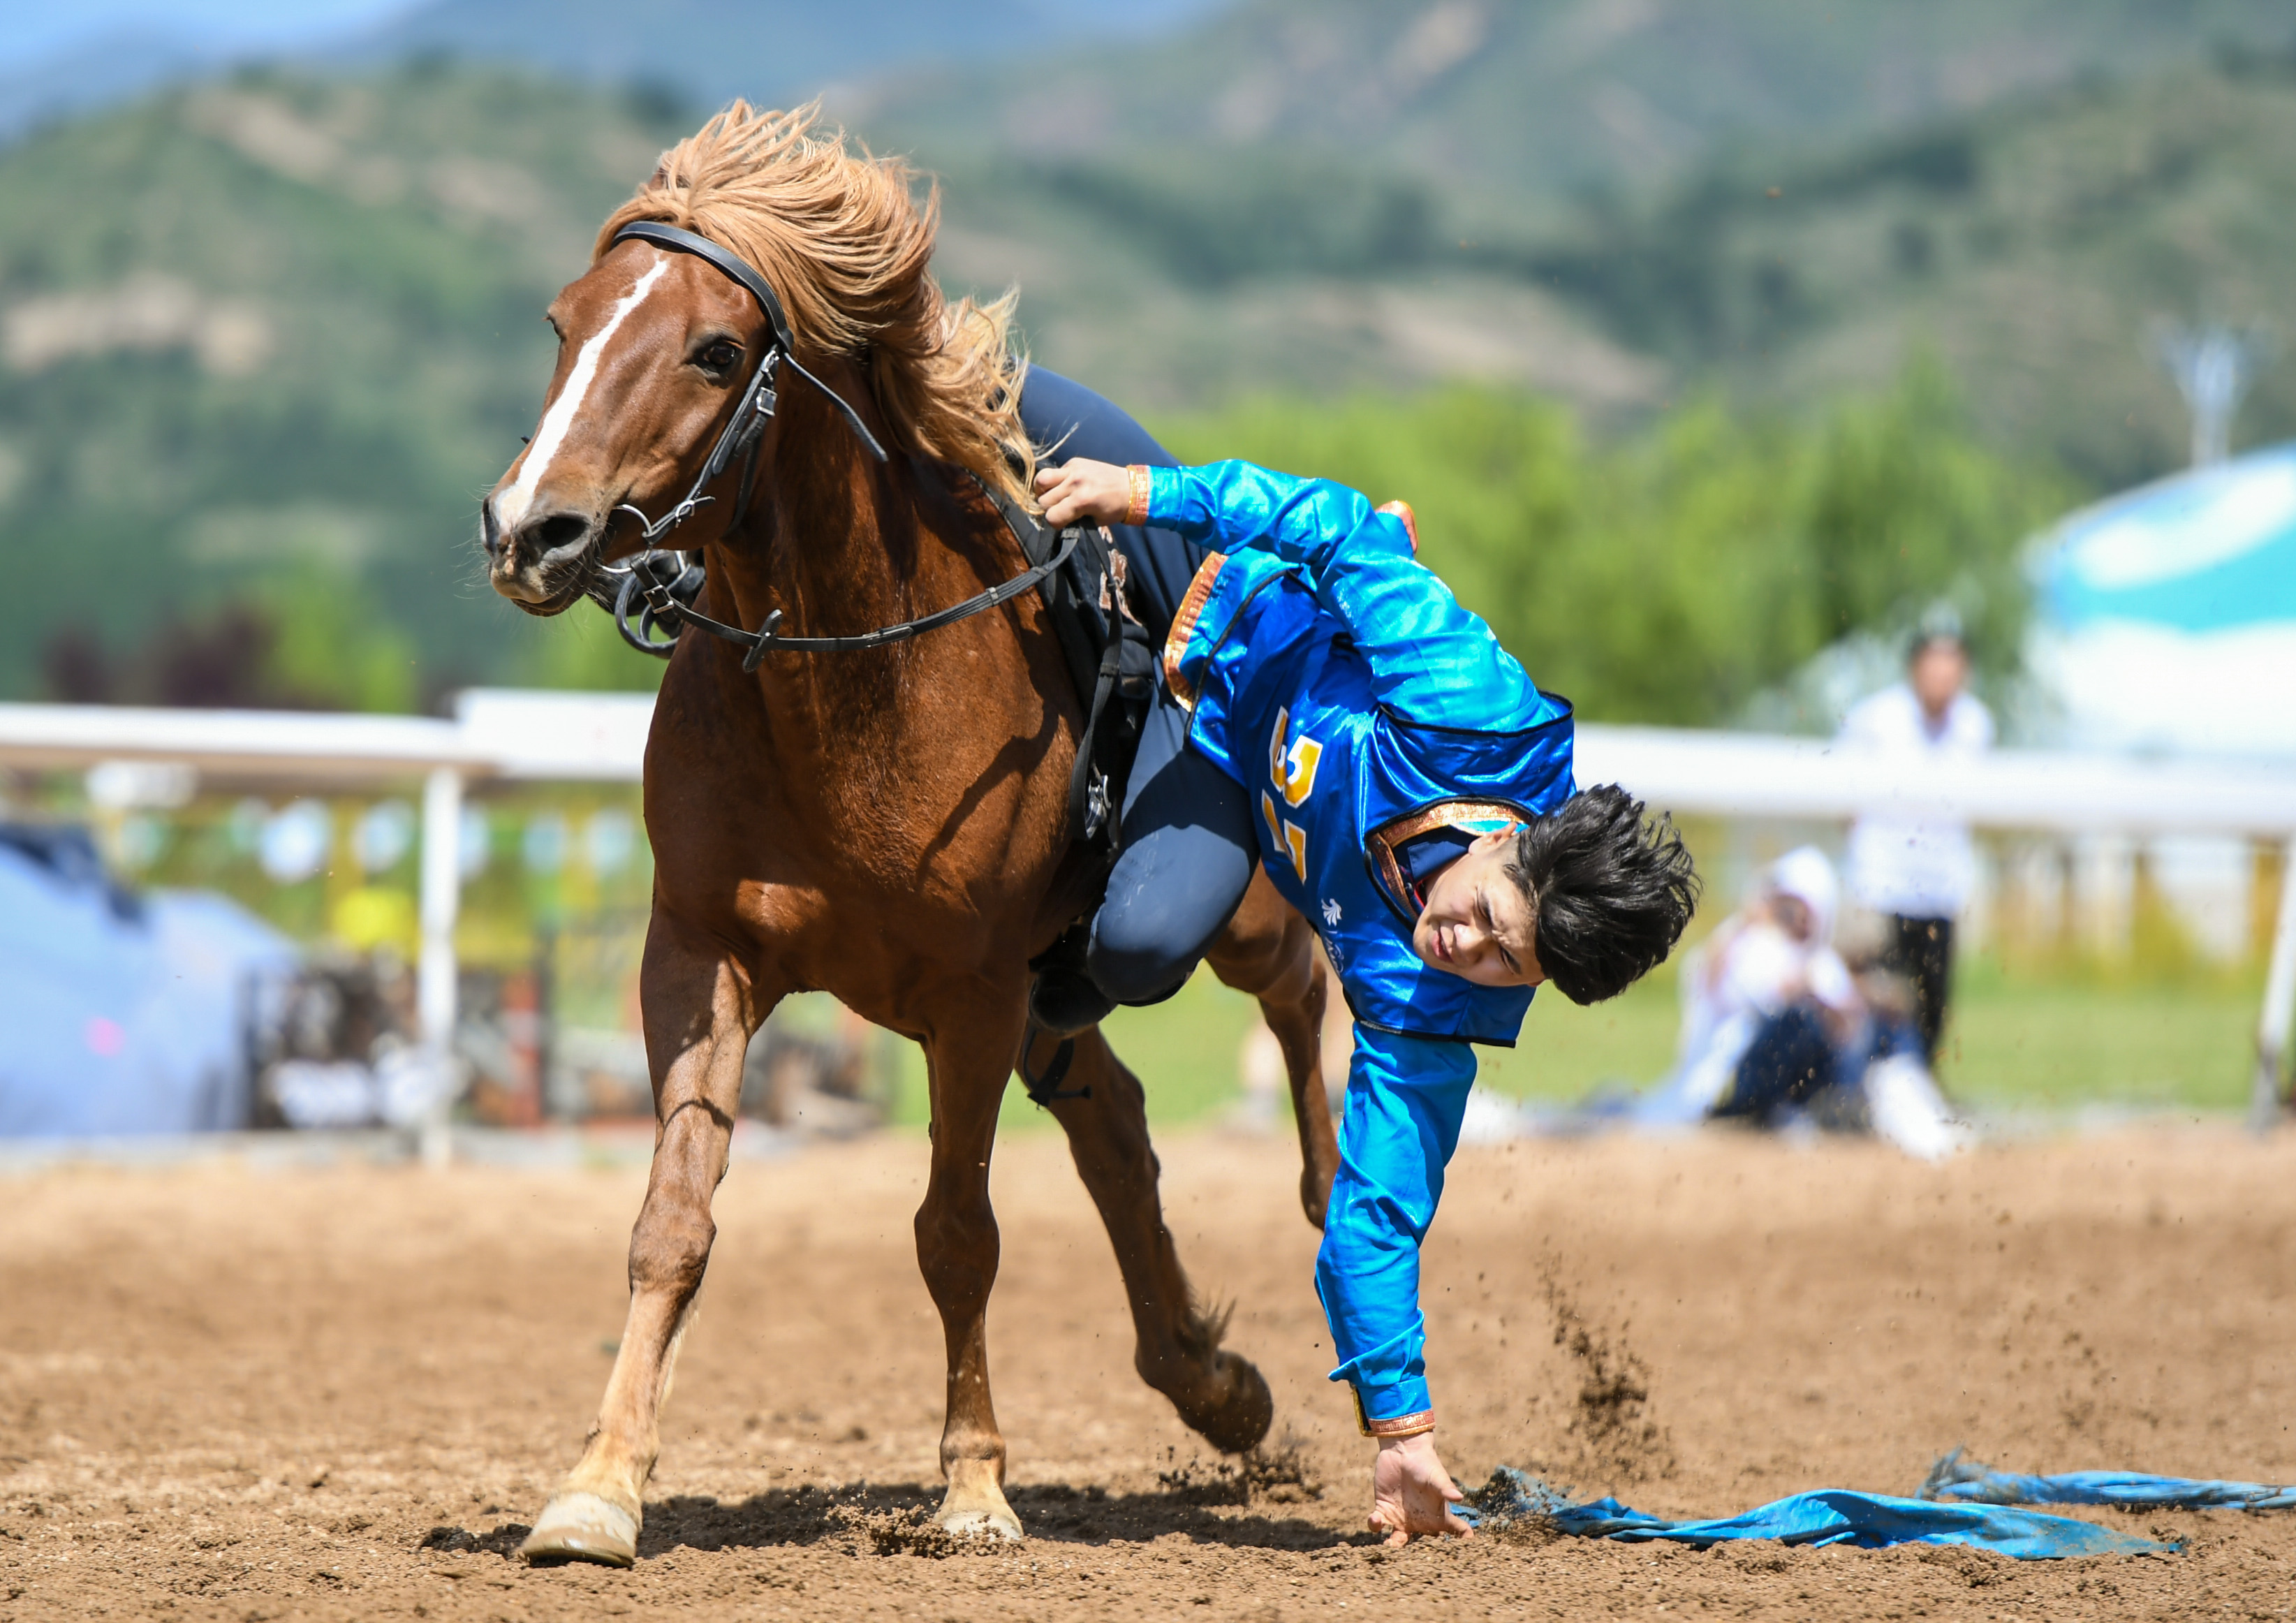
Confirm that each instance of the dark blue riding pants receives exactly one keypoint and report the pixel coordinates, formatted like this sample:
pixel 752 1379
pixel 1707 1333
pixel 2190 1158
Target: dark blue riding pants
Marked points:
pixel 1185 845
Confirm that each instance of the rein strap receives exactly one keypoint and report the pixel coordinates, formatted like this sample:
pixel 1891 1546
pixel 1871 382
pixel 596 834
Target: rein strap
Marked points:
pixel 668 584
pixel 662 609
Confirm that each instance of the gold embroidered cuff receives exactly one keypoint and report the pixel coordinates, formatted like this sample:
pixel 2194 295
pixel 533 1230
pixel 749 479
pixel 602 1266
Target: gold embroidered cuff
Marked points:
pixel 1183 627
pixel 1137 514
pixel 1402 1425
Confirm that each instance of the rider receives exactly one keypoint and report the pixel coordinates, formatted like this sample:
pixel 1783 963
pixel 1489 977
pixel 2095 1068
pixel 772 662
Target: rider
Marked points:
pixel 1336 716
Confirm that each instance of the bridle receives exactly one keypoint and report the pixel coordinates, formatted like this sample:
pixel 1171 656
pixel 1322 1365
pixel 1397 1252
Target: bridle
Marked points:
pixel 668 581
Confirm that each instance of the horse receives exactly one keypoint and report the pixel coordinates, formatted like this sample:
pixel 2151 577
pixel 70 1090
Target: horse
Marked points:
pixel 887 820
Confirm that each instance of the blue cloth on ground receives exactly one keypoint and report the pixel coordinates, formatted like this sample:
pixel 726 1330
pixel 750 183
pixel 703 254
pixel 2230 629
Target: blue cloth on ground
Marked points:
pixel 1965 1481
pixel 1824 1516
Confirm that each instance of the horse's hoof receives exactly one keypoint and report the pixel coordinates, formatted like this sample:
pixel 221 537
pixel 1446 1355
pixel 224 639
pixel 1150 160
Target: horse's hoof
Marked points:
pixel 1003 1526
pixel 583 1527
pixel 1240 1422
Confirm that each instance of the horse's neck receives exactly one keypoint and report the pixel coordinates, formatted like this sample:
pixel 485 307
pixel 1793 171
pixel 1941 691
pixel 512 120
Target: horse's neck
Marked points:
pixel 840 546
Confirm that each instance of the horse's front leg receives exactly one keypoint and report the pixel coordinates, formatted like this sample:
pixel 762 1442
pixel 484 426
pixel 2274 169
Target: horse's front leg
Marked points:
pixel 969 1047
pixel 700 1006
pixel 1268 950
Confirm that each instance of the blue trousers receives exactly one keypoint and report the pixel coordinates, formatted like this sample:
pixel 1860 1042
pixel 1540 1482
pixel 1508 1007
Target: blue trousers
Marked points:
pixel 1185 843
pixel 1185 849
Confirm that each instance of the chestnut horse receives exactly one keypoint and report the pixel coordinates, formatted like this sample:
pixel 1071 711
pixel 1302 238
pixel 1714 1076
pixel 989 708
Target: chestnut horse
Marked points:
pixel 888 825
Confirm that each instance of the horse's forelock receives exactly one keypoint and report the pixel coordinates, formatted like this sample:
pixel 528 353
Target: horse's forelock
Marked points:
pixel 841 237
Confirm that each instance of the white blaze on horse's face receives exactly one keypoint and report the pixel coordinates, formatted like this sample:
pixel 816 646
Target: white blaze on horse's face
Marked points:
pixel 511 504
pixel 544 522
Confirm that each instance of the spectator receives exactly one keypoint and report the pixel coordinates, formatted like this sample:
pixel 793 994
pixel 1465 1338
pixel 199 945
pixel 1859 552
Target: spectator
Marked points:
pixel 1773 959
pixel 1917 871
pixel 1776 1028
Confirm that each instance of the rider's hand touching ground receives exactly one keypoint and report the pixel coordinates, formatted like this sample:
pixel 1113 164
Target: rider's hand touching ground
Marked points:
pixel 1411 1493
pixel 1082 489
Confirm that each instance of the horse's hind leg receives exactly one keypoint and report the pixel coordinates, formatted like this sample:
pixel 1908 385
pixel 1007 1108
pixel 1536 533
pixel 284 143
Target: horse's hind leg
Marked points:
pixel 700 1010
pixel 968 1051
pixel 1176 1344
pixel 1268 951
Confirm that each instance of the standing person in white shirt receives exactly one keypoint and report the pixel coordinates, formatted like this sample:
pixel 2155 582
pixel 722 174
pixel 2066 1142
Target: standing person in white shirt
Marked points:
pixel 1917 871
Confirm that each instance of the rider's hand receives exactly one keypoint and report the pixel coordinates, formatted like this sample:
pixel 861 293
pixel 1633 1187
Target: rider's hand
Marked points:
pixel 1411 1493
pixel 1082 489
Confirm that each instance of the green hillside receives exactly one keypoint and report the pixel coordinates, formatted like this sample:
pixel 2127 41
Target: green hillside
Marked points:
pixel 262 343
pixel 273 337
pixel 1503 103
pixel 2033 243
pixel 2038 248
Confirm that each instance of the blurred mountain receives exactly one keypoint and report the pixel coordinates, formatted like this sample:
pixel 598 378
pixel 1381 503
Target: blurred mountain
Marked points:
pixel 262 341
pixel 1524 100
pixel 267 340
pixel 2041 249
pixel 1246 207
pixel 98 72
pixel 692 51
pixel 710 51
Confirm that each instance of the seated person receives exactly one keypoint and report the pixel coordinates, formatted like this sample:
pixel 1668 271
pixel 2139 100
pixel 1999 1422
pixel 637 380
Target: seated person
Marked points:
pixel 1776 1027
pixel 1332 714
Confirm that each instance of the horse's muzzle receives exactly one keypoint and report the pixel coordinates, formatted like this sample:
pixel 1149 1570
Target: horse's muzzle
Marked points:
pixel 544 561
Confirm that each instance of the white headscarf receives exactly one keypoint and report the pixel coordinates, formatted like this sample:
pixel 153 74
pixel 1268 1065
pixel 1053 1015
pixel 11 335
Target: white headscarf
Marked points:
pixel 1805 874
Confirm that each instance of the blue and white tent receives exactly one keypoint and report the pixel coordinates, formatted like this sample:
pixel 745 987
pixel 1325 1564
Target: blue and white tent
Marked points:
pixel 120 1013
pixel 2168 614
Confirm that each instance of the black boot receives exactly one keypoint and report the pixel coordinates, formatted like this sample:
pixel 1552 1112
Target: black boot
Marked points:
pixel 1064 999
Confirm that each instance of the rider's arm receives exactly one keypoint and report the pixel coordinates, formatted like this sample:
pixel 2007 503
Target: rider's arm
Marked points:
pixel 1406 1099
pixel 1431 660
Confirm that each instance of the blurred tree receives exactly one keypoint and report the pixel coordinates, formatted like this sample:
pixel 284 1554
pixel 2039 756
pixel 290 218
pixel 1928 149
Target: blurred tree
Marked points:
pixel 305 640
pixel 1674 576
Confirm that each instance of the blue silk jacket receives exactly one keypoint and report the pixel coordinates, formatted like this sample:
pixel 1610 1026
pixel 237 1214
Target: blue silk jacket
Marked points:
pixel 1339 680
pixel 1373 719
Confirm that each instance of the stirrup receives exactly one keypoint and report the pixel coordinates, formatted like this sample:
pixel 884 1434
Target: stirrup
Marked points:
pixel 1045 1088
pixel 1063 999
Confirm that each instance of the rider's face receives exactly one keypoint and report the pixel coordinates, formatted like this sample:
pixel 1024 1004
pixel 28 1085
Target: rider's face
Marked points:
pixel 1478 924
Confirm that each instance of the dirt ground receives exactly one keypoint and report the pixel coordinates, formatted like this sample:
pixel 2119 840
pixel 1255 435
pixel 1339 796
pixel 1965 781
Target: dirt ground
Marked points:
pixel 228 1393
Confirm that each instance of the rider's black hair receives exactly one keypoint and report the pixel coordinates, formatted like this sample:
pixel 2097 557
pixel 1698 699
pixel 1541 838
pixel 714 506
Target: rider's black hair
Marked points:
pixel 1612 890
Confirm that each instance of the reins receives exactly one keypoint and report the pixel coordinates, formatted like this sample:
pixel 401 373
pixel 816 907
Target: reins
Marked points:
pixel 668 583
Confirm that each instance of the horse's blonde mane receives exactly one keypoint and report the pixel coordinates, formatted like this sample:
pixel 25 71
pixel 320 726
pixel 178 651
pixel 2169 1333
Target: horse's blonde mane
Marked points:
pixel 842 241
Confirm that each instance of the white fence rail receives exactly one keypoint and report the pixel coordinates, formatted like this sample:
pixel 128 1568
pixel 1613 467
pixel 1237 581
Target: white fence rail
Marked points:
pixel 557 736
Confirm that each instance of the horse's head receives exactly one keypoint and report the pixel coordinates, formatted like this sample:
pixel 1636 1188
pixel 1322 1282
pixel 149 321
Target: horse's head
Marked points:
pixel 654 349
pixel 657 346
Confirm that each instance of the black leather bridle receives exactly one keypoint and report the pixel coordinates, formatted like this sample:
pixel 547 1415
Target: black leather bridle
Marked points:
pixel 668 582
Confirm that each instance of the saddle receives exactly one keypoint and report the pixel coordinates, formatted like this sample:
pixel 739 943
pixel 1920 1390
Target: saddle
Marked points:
pixel 1110 659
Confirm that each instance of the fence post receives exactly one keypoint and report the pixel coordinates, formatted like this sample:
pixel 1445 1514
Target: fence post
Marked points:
pixel 434 972
pixel 2279 1003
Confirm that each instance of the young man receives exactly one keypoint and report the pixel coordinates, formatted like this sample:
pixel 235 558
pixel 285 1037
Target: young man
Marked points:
pixel 1338 718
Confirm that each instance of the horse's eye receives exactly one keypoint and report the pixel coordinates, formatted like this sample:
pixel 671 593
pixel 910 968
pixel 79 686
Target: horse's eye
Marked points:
pixel 721 355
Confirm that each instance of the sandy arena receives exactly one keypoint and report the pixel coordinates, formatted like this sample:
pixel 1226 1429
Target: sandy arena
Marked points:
pixel 228 1393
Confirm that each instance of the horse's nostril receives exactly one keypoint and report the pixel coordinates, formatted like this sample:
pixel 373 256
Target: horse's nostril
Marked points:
pixel 562 530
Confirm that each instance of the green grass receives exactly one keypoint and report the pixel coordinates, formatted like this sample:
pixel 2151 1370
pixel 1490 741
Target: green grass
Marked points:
pixel 1185 1053
pixel 2042 1044
pixel 2015 1042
